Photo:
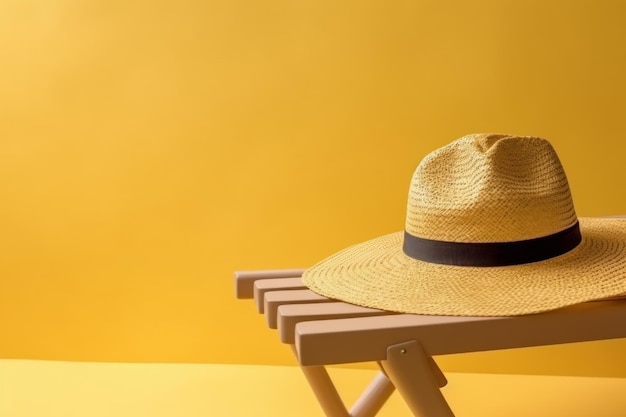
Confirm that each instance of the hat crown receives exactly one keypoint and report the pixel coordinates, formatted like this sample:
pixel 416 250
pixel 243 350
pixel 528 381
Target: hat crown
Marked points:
pixel 490 188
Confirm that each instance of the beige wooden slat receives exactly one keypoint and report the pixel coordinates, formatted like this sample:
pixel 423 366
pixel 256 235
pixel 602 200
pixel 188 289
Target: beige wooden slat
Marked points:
pixel 291 314
pixel 367 338
pixel 274 299
pixel 277 284
pixel 244 280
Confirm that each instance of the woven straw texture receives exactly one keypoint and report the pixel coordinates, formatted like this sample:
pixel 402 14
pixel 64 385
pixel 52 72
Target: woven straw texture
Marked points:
pixel 482 188
pixel 490 188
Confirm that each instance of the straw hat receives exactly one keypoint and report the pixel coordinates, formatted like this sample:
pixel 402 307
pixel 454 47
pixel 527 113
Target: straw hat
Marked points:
pixel 490 231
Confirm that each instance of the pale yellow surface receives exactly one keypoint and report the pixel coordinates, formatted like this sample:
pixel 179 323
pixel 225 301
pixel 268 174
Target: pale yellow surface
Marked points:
pixel 150 148
pixel 57 389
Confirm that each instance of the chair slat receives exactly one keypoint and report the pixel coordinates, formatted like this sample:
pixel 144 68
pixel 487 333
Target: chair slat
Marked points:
pixel 244 280
pixel 291 314
pixel 367 338
pixel 277 284
pixel 274 299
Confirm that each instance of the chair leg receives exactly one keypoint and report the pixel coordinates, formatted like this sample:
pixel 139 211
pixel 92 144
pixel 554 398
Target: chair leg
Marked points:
pixel 368 405
pixel 374 397
pixel 324 390
pixel 408 367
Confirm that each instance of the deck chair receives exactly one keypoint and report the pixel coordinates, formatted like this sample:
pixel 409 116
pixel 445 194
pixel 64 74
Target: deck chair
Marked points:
pixel 324 332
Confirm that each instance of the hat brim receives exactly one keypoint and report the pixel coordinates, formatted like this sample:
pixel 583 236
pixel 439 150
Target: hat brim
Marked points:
pixel 378 274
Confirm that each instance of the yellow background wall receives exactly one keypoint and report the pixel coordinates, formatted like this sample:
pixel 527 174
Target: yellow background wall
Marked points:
pixel 150 148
